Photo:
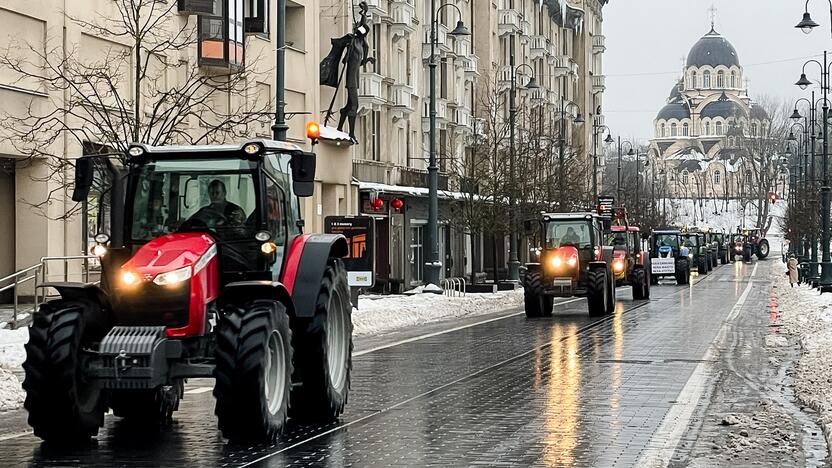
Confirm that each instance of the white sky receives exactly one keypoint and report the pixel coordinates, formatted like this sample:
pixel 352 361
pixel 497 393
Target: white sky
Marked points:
pixel 649 38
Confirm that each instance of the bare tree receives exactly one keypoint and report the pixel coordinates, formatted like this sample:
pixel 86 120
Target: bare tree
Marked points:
pixel 142 88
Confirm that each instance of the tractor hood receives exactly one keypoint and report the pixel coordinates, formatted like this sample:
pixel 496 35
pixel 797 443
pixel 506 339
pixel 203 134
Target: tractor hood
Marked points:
pixel 171 252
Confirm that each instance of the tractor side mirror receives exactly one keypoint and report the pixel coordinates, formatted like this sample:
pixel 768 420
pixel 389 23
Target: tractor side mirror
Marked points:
pixel 303 174
pixel 84 169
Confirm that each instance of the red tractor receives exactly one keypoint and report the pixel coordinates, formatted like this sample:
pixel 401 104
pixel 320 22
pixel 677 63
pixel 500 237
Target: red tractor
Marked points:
pixel 572 260
pixel 205 273
pixel 629 262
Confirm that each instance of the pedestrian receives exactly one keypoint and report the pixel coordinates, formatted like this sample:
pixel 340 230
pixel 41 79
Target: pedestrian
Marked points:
pixel 792 264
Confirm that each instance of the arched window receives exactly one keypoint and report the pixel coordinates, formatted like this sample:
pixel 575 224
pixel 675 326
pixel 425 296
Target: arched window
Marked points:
pixel 707 128
pixel 684 177
pixel 662 131
pixel 673 130
pixel 720 79
pixel 717 177
pixel 754 129
pixel 733 79
pixel 693 79
pixel 685 129
pixel 748 178
pixel 706 79
pixel 718 128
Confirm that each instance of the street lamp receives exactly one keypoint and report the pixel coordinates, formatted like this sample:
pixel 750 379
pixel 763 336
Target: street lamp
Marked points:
pixel 432 262
pixel 638 179
pixel 596 127
pixel 629 153
pixel 562 142
pixel 807 24
pixel 826 262
pixel 513 259
pixel 807 194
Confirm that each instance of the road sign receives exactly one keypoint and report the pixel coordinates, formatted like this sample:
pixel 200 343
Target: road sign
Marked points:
pixel 605 205
pixel 360 260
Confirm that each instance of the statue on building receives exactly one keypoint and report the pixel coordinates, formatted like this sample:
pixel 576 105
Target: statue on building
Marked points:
pixel 353 51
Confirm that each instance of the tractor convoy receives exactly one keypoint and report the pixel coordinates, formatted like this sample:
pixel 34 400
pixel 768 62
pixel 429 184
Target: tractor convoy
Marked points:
pixel 206 273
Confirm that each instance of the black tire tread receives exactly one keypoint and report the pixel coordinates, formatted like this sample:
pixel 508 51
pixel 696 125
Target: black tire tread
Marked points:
pixel 596 292
pixel 532 292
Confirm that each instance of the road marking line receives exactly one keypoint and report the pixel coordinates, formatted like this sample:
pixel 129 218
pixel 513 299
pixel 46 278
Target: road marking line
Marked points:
pixel 663 443
pixel 443 332
pixel 754 271
pixel 14 436
pixel 198 390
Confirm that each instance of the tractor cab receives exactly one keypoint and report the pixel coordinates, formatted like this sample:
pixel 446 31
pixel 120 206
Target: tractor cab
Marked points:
pixel 626 244
pixel 669 256
pixel 698 252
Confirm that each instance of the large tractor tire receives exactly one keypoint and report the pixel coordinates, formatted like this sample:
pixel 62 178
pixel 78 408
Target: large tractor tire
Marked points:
pixel 533 294
pixel 714 260
pixel 723 259
pixel 253 371
pixel 323 350
pixel 64 407
pixel 763 249
pixel 746 254
pixel 147 406
pixel 640 284
pixel 597 292
pixel 682 271
pixel 611 291
pixel 701 265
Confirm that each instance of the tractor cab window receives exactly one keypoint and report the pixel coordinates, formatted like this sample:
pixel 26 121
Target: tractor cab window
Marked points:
pixel 669 240
pixel 170 195
pixel 574 233
pixel 279 168
pixel 617 239
pixel 275 204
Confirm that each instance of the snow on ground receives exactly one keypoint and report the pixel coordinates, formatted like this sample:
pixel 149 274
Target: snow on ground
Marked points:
pixel 719 215
pixel 807 316
pixel 382 314
pixel 11 358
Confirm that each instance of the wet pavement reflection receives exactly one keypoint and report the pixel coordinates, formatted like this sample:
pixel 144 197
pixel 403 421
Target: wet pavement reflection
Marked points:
pixel 561 391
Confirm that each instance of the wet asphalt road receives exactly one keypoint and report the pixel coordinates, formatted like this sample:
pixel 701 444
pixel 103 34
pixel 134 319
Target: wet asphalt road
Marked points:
pixel 561 391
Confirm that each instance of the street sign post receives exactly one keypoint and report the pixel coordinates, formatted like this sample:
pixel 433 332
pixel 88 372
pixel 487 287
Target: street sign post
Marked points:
pixel 360 260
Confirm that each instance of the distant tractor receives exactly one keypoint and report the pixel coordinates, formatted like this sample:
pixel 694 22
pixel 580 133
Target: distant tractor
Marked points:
pixel 205 273
pixel 668 256
pixel 723 246
pixel 744 246
pixel 629 262
pixel 572 260
pixel 698 251
pixel 759 243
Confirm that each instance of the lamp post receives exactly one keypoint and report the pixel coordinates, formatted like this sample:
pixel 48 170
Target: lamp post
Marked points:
pixel 825 282
pixel 809 192
pixel 513 260
pixel 432 262
pixel 562 143
pixel 807 24
pixel 638 179
pixel 596 127
pixel 620 189
pixel 280 129
pixel 795 169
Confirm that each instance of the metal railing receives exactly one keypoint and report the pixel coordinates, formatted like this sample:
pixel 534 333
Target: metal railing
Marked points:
pixel 39 274
pixel 453 287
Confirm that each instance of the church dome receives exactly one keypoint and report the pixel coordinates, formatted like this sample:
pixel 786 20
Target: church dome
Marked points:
pixel 674 111
pixel 723 107
pixel 675 94
pixel 713 50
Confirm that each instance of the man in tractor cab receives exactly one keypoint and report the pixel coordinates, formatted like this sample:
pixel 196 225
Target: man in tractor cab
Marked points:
pixel 220 212
pixel 570 238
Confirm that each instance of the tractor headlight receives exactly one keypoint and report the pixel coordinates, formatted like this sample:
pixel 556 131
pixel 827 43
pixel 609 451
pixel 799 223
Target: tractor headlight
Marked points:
pixel 174 277
pixel 618 266
pixel 690 255
pixel 572 261
pixel 557 262
pixel 128 278
pixel 738 248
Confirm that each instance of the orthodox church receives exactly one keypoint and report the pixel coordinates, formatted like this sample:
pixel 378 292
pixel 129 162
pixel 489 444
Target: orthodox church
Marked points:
pixel 698 131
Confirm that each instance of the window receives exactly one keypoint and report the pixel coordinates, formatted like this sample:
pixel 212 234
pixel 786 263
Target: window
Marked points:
pixel 718 128
pixel 295 27
pixel 707 128
pixel 662 131
pixel 706 79
pixel 717 177
pixel 685 129
pixel 199 7
pixel 684 177
pixel 733 79
pixel 257 16
pixel 693 79
pixel 673 130
pixel 276 220
pixel 720 79
pixel 748 178
pixel 754 129
pixel 221 38
pixel 416 257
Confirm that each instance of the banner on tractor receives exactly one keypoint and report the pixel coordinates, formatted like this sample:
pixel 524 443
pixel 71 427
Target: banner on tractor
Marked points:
pixel 605 205
pixel 663 266
pixel 360 260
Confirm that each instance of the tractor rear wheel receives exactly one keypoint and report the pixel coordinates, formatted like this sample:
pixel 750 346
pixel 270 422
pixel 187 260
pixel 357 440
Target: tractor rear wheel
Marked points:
pixel 701 265
pixel 63 405
pixel 323 350
pixel 746 254
pixel 763 249
pixel 253 371
pixel 640 286
pixel 597 292
pixel 611 291
pixel 533 300
pixel 682 271
pixel 150 406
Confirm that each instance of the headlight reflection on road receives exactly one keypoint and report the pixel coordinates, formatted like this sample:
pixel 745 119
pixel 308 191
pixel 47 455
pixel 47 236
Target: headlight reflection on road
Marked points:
pixel 562 398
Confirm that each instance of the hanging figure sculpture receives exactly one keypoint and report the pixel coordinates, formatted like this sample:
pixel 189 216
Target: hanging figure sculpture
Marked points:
pixel 356 56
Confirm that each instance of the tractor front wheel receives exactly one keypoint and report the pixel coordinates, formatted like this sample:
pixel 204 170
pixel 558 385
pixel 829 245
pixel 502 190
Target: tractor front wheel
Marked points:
pixel 323 345
pixel 533 300
pixel 763 249
pixel 597 292
pixel 701 265
pixel 682 271
pixel 640 285
pixel 253 371
pixel 63 405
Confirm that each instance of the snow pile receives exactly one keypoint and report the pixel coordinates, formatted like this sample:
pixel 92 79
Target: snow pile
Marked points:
pixel 721 215
pixel 806 315
pixel 12 355
pixel 382 314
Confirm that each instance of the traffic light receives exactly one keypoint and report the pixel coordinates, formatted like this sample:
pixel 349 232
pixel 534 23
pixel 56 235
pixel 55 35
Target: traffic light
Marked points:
pixel 772 197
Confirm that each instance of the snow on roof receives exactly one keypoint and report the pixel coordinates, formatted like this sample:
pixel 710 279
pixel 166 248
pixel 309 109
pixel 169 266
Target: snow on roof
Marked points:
pixel 414 191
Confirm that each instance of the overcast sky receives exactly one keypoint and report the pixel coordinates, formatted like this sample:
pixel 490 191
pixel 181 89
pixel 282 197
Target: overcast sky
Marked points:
pixel 648 38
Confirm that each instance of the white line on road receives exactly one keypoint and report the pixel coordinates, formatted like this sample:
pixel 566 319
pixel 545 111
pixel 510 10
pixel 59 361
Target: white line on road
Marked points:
pixel 663 443
pixel 442 332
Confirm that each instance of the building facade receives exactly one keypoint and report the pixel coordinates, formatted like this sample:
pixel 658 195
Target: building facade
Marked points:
pixel 699 133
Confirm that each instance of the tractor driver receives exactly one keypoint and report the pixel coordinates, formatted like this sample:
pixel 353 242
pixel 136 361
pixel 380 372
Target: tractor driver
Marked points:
pixel 571 237
pixel 220 212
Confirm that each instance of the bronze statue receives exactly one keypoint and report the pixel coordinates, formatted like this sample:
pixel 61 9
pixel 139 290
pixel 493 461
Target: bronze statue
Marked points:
pixel 357 55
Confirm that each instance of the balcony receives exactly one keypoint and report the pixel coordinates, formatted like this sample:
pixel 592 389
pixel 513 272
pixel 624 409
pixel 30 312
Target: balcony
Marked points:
pixel 373 171
pixel 599 83
pixel 402 13
pixel 463 120
pixel 441 114
pixel 479 127
pixel 538 47
pixel 508 21
pixel 369 92
pixel 442 45
pixel 376 9
pixel 504 77
pixel 470 66
pixel 412 177
pixel 525 28
pixel 538 96
pixel 401 100
pixel 462 47
pixel 561 64
pixel 599 44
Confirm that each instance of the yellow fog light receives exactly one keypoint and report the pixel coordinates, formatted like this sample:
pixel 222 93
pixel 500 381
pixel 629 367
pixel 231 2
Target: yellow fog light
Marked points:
pixel 268 248
pixel 129 278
